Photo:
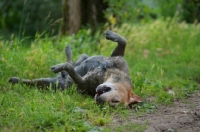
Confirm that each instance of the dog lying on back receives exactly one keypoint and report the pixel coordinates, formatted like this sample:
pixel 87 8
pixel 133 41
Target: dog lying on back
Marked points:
pixel 105 78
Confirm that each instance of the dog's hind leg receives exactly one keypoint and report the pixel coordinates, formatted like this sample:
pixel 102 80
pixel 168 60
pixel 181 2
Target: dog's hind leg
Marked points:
pixel 119 50
pixel 46 82
pixel 80 60
pixel 41 82
pixel 71 71
pixel 68 53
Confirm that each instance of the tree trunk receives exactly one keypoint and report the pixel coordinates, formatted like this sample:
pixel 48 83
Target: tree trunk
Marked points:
pixel 92 12
pixel 81 12
pixel 71 13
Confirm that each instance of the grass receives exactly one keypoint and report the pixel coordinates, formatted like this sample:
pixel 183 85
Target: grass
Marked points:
pixel 163 56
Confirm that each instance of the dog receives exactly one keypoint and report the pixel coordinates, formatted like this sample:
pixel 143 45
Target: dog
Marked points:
pixel 105 78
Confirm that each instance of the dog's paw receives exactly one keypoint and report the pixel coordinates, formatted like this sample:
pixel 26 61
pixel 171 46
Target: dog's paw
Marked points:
pixel 14 80
pixel 57 68
pixel 111 36
pixel 68 50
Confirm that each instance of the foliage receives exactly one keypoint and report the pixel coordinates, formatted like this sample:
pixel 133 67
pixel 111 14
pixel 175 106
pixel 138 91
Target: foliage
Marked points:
pixel 191 11
pixel 29 17
pixel 186 10
pixel 26 17
pixel 163 57
pixel 130 11
pixel 169 8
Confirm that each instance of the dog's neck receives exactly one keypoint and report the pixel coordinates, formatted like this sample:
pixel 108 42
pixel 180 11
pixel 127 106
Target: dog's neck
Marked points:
pixel 116 76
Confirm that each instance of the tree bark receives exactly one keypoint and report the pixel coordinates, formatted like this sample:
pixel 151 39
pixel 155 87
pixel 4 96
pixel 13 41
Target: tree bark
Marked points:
pixel 71 14
pixel 81 12
pixel 92 10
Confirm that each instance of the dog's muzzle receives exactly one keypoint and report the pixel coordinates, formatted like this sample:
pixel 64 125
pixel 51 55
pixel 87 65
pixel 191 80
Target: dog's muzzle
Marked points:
pixel 101 89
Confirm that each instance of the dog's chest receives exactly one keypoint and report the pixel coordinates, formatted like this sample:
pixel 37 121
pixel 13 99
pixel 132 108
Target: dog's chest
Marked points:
pixel 92 79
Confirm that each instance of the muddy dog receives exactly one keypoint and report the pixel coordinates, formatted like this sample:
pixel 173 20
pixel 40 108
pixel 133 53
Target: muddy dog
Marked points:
pixel 105 78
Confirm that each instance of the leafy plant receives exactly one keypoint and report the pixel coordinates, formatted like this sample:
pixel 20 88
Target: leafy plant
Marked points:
pixel 130 11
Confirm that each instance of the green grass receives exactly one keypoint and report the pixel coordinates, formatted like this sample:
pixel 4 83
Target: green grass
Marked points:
pixel 162 56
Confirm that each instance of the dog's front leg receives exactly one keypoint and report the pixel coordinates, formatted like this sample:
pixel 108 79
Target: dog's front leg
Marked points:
pixel 70 69
pixel 119 50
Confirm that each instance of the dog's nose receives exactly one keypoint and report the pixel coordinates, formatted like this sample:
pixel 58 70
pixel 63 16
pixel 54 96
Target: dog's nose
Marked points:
pixel 102 89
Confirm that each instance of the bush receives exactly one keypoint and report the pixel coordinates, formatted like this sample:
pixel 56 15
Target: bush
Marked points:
pixel 130 11
pixel 26 17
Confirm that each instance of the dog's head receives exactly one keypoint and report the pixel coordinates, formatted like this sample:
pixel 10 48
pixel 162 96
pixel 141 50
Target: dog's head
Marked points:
pixel 115 94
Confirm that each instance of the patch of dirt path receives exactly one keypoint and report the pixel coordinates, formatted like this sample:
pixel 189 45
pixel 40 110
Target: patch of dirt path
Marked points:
pixel 179 117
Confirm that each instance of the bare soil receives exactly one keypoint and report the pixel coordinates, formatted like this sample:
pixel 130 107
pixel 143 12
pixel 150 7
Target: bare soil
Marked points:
pixel 181 116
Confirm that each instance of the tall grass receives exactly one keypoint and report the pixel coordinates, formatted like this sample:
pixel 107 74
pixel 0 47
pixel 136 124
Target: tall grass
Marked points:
pixel 163 57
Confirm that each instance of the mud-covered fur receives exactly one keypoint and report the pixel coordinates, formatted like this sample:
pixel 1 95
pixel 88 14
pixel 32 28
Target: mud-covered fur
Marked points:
pixel 106 78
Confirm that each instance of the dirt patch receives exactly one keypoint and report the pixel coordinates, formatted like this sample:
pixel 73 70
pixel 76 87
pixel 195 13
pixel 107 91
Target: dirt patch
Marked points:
pixel 182 116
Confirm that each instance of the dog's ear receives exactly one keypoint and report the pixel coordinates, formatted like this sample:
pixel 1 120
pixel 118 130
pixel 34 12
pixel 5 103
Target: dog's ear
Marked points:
pixel 134 99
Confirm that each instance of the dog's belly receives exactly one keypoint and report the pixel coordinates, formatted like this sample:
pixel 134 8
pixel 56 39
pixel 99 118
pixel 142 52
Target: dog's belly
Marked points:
pixel 92 63
pixel 92 79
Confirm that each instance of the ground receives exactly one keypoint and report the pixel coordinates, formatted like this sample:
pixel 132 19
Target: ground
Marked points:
pixel 181 116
